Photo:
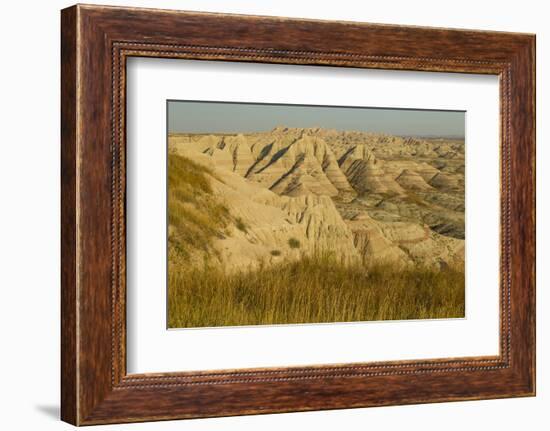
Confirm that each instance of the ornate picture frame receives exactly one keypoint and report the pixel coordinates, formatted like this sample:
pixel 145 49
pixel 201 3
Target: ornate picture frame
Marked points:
pixel 96 41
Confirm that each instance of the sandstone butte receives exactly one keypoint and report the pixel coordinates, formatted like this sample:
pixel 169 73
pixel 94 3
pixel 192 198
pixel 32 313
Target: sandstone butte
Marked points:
pixel 362 196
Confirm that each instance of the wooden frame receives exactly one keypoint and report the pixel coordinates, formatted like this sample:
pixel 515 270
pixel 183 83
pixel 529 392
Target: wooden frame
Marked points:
pixel 96 41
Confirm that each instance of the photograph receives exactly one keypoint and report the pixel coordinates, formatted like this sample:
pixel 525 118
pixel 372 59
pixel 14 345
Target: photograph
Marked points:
pixel 301 214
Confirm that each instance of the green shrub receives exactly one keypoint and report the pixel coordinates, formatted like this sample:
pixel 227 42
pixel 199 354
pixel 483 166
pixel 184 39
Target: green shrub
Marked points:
pixel 240 224
pixel 294 243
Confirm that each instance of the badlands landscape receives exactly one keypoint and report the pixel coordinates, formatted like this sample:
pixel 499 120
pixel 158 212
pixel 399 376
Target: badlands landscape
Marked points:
pixel 297 225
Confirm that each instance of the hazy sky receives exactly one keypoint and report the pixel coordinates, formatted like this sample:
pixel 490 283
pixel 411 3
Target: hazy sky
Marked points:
pixel 209 117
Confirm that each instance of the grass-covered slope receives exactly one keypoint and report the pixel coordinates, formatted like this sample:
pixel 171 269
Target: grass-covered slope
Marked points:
pixel 195 216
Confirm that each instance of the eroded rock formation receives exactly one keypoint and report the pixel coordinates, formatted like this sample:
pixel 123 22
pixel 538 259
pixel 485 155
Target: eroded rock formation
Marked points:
pixel 361 196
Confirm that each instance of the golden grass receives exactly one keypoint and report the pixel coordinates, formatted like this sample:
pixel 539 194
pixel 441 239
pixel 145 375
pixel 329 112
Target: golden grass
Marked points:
pixel 195 217
pixel 311 290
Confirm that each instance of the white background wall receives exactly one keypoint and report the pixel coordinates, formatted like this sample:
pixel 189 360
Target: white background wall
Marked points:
pixel 29 214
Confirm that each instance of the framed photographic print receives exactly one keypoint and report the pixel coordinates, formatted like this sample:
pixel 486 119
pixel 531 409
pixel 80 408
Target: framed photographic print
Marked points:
pixel 263 215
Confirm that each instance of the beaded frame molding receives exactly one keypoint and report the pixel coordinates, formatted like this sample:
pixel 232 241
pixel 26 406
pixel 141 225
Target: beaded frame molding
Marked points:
pixel 95 43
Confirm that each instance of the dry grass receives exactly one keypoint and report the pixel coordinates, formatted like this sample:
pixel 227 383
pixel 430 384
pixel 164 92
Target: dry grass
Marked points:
pixel 194 215
pixel 312 290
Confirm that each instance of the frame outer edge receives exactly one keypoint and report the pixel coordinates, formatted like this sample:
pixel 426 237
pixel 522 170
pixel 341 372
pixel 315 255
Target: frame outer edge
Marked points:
pixel 533 54
pixel 523 208
pixel 532 82
pixel 69 212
